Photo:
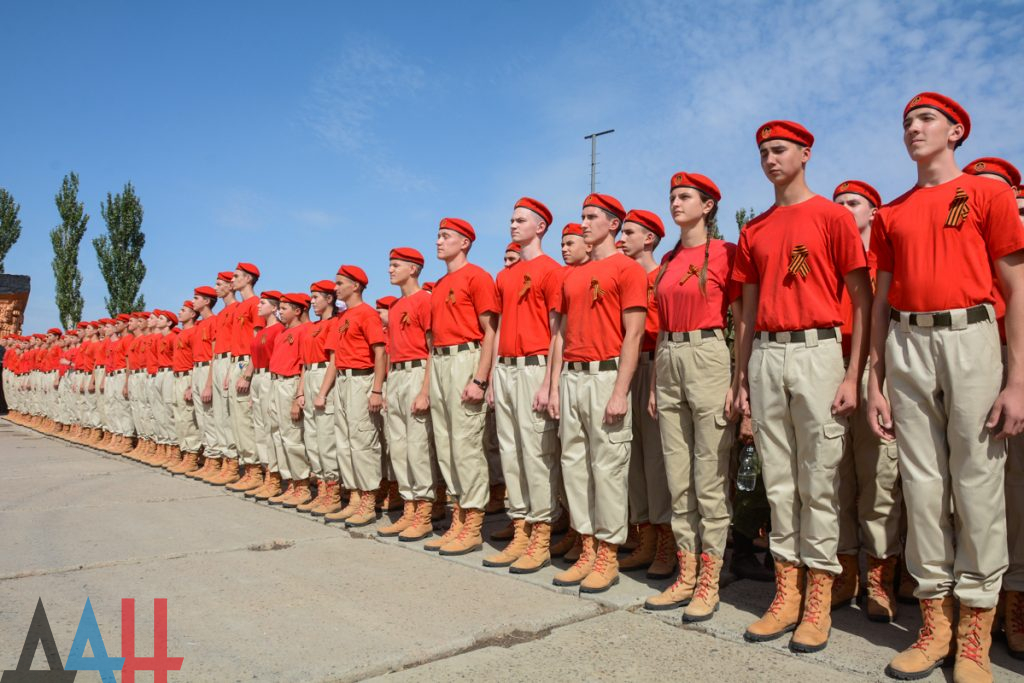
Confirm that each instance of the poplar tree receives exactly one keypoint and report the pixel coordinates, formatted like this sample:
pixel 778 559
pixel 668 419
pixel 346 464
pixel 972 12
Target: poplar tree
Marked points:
pixel 66 239
pixel 119 252
pixel 10 224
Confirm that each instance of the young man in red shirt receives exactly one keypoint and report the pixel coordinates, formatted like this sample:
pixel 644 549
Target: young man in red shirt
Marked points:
pixel 186 429
pixel 114 386
pixel 870 495
pixel 529 292
pixel 222 449
pixel 463 309
pixel 286 406
pixel 356 370
pixel 650 507
pixel 203 300
pixel 162 388
pixel 793 261
pixel 407 414
pixel 261 390
pixel 603 306
pixel 943 249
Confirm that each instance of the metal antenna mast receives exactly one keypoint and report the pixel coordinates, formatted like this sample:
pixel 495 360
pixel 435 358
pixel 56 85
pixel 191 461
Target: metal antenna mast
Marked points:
pixel 593 156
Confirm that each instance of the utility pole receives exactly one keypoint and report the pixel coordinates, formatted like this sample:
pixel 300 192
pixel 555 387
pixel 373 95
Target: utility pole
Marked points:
pixel 593 156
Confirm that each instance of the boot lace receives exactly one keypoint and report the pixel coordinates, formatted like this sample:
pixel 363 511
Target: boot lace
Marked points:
pixel 927 632
pixel 602 558
pixel 812 611
pixel 681 579
pixel 780 590
pixel 706 578
pixel 972 639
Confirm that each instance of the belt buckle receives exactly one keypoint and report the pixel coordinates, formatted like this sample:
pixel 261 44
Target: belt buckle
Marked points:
pixel 925 320
pixel 783 337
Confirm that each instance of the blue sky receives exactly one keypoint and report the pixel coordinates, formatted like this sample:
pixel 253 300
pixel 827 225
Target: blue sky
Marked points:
pixel 304 135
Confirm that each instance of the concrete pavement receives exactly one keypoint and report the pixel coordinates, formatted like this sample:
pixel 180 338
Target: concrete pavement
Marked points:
pixel 260 593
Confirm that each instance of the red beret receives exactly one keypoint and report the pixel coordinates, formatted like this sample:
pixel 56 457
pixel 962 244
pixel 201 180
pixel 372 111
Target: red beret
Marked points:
pixel 141 314
pixel 67 332
pixel 107 321
pixel 206 291
pixel 271 294
pixel 188 304
pixel 54 330
pixel 951 108
pixel 406 254
pixel 861 188
pixel 606 202
pixel 572 229
pixel 460 226
pixel 429 285
pixel 619 244
pixel 226 275
pixel 83 325
pixel 535 206
pixel 784 130
pixel 124 317
pixel 646 219
pixel 512 246
pixel 93 324
pixel 698 182
pixel 297 298
pixel 354 273
pixel 386 301
pixel 996 166
pixel 324 286
pixel 248 268
pixel 39 335
pixel 170 316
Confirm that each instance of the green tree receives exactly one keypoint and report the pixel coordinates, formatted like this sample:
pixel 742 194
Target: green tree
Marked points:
pixel 744 216
pixel 119 252
pixel 66 239
pixel 10 224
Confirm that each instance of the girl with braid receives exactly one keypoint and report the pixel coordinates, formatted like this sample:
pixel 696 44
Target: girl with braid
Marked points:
pixel 691 392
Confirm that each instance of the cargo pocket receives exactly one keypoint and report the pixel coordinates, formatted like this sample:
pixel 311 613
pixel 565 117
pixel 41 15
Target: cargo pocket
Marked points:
pixel 833 445
pixel 621 432
pixel 473 409
pixel 543 423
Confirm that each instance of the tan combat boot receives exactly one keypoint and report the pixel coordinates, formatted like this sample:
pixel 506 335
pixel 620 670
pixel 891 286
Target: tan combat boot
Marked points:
pixel 332 499
pixel 229 474
pixel 422 527
pixel 300 494
pixel 784 613
pixel 321 491
pixel 453 530
pixel 160 455
pixel 257 479
pixel 575 574
pixel 973 643
pixel 407 519
pixel 1013 623
pixel 679 593
pixel 189 463
pixel 605 573
pixel 643 555
pixel 567 543
pixel 496 502
pixel 705 599
pixel 354 503
pixel 846 586
pixel 211 468
pixel 664 564
pixel 469 538
pixel 174 457
pixel 881 598
pixel 366 513
pixel 934 644
pixel 271 487
pixel 816 623
pixel 244 482
pixel 516 547
pixel 538 551
pixel 202 471
pixel 284 495
pixel 505 533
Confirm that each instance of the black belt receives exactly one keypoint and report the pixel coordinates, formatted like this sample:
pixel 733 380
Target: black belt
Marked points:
pixel 274 375
pixel 222 355
pixel 799 336
pixel 526 360
pixel 975 314
pixel 602 365
pixel 244 356
pixel 317 366
pixel 164 367
pixel 259 371
pixel 455 348
pixel 355 372
pixel 202 363
pixel 178 373
pixel 690 336
pixel 99 367
pixel 116 372
pixel 408 365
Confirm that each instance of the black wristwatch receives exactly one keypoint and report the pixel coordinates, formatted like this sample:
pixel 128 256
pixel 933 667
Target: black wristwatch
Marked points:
pixel 482 383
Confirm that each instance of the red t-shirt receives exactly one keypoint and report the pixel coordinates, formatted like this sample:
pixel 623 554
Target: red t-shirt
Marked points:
pixel 263 345
pixel 651 324
pixel 408 322
pixel 53 358
pixel 86 357
pixel 594 296
pixel 116 355
pixel 457 301
pixel 353 338
pixel 165 349
pixel 222 328
pixel 313 346
pixel 69 355
pixel 799 256
pixel 681 305
pixel 846 306
pixel 152 353
pixel 202 340
pixel 285 360
pixel 243 326
pixel 938 268
pixel 527 293
pixel 183 360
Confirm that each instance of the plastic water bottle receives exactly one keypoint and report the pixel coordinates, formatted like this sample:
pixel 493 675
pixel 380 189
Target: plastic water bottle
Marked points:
pixel 746 476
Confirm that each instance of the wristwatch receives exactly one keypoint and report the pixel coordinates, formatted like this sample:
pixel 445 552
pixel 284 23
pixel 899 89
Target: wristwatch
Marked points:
pixel 482 383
